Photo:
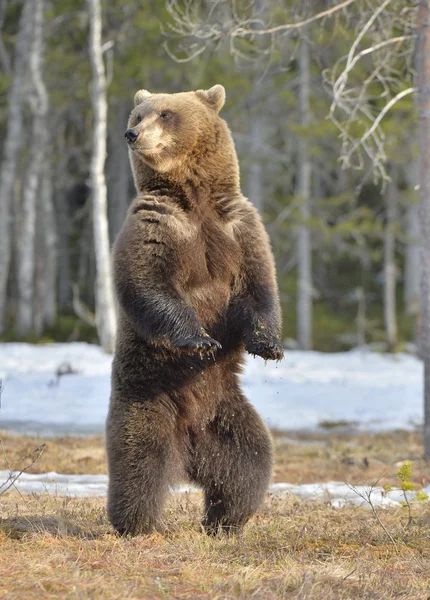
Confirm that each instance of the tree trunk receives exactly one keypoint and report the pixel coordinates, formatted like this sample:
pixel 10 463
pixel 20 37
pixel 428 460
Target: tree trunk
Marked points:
pixel 63 286
pixel 105 305
pixel 119 173
pixel 12 144
pixel 4 55
pixel 390 319
pixel 303 191
pixel 27 241
pixel 255 183
pixel 412 274
pixel 39 272
pixel 46 257
pixel 423 52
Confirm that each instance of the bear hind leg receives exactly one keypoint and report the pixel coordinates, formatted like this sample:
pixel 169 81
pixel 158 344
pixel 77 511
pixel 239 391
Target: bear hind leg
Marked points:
pixel 232 461
pixel 143 462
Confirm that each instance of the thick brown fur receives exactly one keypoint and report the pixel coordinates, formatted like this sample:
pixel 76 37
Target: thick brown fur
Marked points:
pixel 196 288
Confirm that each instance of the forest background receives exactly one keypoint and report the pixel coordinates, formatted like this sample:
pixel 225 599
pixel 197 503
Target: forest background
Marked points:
pixel 345 239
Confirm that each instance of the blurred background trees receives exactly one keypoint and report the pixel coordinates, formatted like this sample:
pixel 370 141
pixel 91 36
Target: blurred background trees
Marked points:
pixel 346 243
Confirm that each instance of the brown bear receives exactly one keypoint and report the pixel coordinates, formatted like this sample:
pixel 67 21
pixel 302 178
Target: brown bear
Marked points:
pixel 196 287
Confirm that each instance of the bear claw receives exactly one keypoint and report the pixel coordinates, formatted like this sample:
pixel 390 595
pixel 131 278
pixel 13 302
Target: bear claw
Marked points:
pixel 267 350
pixel 199 344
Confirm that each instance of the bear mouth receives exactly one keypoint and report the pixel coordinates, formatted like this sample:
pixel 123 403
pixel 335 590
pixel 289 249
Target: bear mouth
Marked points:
pixel 140 148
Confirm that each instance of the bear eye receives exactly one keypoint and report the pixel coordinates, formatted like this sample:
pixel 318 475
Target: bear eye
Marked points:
pixel 165 115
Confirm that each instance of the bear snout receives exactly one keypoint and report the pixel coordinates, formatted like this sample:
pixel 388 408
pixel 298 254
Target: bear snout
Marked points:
pixel 131 136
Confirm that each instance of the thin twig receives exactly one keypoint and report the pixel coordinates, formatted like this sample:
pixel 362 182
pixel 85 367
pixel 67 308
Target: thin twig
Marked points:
pixel 408 504
pixel 11 480
pixel 382 114
pixel 367 497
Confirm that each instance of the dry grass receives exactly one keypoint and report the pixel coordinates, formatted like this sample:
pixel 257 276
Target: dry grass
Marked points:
pixel 66 454
pixel 65 548
pixel 355 458
pixel 299 458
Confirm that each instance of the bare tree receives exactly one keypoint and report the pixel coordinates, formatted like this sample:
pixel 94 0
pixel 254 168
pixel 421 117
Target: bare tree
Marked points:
pixel 303 191
pixel 12 145
pixel 423 51
pixel 219 24
pixel 27 226
pixel 362 104
pixel 356 101
pixel 105 304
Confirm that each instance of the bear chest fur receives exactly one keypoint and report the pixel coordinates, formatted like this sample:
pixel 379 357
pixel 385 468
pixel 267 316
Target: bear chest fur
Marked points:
pixel 192 246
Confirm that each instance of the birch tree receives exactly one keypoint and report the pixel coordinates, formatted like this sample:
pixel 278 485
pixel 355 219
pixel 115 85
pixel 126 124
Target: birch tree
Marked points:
pixel 303 191
pixel 105 305
pixel 38 100
pixel 12 144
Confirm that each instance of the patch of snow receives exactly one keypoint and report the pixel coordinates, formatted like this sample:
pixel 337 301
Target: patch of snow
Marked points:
pixel 335 493
pixel 339 494
pixel 34 399
pixel 54 484
pixel 374 390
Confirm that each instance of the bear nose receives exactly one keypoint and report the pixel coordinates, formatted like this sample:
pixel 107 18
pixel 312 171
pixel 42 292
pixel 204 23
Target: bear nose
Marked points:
pixel 131 135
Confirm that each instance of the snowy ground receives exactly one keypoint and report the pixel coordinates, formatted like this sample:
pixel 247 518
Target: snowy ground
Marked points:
pixel 383 392
pixel 79 486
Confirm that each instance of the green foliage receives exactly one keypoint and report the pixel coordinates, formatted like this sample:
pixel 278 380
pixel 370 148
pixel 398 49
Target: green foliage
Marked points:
pixel 405 472
pixel 421 496
pixel 67 328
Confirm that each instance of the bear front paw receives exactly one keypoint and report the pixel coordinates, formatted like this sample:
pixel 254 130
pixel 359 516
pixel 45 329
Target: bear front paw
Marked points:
pixel 272 350
pixel 200 344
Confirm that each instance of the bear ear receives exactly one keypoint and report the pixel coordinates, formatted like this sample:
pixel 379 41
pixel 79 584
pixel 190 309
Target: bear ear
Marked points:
pixel 140 96
pixel 214 97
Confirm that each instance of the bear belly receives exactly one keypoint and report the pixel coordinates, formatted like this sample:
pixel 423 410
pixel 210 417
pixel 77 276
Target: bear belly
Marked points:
pixel 189 386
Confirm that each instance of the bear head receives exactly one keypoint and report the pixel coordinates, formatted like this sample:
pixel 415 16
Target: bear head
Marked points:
pixel 165 129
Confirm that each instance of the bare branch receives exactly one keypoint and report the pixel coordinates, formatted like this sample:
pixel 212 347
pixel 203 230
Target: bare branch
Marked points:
pixel 183 60
pixel 382 114
pixel 298 25
pixel 357 103
pixel 187 24
pixel 366 495
pixel 13 477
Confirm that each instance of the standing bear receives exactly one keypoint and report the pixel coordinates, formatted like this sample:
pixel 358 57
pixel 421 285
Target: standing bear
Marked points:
pixel 196 288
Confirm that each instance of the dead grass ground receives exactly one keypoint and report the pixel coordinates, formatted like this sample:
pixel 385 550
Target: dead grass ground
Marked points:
pixel 299 457
pixel 65 548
